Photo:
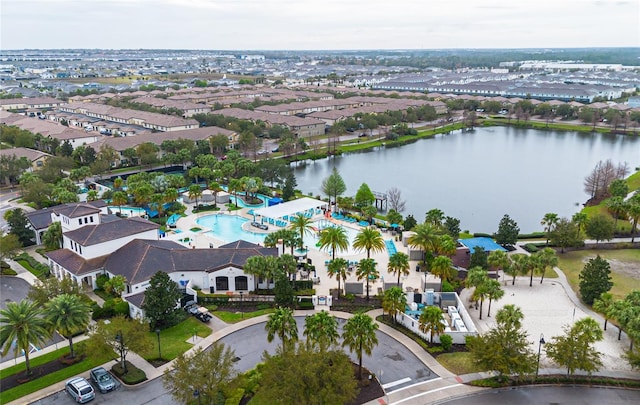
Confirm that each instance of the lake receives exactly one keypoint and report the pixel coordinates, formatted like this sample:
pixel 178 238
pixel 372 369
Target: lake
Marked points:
pixel 478 176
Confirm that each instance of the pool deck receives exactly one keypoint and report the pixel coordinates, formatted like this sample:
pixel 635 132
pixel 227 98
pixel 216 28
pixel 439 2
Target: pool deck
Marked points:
pixel 203 240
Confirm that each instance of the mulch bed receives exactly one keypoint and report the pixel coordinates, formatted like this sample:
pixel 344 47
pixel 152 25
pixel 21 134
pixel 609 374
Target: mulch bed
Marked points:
pixel 369 389
pixel 13 381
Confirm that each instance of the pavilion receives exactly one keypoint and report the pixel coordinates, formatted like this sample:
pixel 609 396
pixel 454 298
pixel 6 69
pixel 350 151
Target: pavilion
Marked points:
pixel 283 212
pixel 488 244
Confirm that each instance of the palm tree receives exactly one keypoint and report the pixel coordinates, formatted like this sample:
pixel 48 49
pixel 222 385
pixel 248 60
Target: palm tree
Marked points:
pixel 426 237
pixel 366 269
pixel 321 330
pixel 617 206
pixel 442 268
pixel 335 238
pixel 546 259
pixel 446 246
pixel 119 199
pixel 157 201
pixel 580 219
pixel 170 195
pixel 369 239
pixel 257 267
pixel 118 183
pixel 518 266
pixel 195 191
pixel 633 211
pixel 22 325
pixel 604 304
pixel 394 301
pixel 475 278
pixel 499 259
pixel 302 225
pixel 359 333
pixel 142 193
pixel 68 314
pixel 282 323
pixel 510 316
pixel 549 222
pixel 431 321
pixel 480 293
pixel 52 237
pixel 235 185
pixel 532 265
pixel 339 268
pixel 494 292
pixel 92 195
pixel 399 263
pixel 215 188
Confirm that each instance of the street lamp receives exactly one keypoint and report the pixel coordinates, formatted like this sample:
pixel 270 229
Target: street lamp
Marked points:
pixel 540 343
pixel 120 340
pixel 159 352
pixel 196 395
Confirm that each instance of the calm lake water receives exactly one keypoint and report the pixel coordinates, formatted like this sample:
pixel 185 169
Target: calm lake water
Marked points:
pixel 481 175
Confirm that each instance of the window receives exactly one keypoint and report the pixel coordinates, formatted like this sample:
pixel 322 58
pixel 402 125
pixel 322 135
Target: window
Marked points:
pixel 241 283
pixel 91 219
pixel 222 283
pixel 80 221
pixel 86 220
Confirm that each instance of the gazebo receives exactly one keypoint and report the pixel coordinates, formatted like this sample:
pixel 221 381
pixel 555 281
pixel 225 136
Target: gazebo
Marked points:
pixel 279 214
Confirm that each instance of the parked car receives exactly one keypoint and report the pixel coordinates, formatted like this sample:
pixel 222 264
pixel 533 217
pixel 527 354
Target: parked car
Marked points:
pixel 102 379
pixel 80 390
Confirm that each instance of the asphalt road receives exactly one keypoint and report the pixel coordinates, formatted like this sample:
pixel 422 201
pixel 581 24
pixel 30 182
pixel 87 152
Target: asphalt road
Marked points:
pixel 397 363
pixel 552 395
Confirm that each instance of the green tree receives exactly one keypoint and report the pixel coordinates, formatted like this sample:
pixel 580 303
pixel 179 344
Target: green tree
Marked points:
pixel 546 259
pixel 366 269
pixel 619 188
pixel 333 186
pixel 116 285
pixel 549 221
pixel 359 334
pixel 195 192
pixel 580 220
pixel 283 291
pixel 52 237
pixel 431 322
pixel 306 376
pixel 452 227
pixel 281 323
pixel 426 237
pixel 604 305
pixel 633 211
pixel 335 238
pixel 499 259
pixel 519 266
pixel 9 245
pixel 435 217
pixel 68 314
pixel 600 228
pixel 186 376
pixel 19 226
pixel 442 267
pixel 574 349
pixel 399 264
pixel 121 335
pixel 394 302
pixel 364 196
pixel 22 325
pixel 339 268
pixel 46 290
pixel 321 331
pixel 617 207
pixel 476 277
pixel 567 233
pixel 369 239
pixel 119 199
pixel 504 348
pixel 302 225
pixel 493 292
pixel 595 279
pixel 479 258
pixel 161 301
pixel 508 231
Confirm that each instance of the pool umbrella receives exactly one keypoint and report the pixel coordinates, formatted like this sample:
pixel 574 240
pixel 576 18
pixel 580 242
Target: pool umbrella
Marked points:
pixel 394 225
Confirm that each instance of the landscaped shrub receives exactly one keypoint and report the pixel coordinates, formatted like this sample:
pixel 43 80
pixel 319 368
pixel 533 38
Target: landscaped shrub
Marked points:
pixel 302 285
pixel 530 247
pixel 133 375
pixel 308 292
pixel 305 305
pixel 446 341
pixel 101 280
pixel 447 287
pixel 482 235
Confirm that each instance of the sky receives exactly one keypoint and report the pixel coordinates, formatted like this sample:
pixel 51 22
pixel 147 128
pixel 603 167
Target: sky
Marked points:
pixel 318 24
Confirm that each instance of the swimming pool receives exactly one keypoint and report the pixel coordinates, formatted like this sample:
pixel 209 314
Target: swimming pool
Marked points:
pixel 229 229
pixel 131 211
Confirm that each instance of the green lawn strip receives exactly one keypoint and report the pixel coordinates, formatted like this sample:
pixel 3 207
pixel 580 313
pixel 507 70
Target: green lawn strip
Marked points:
pixel 50 379
pixel 173 341
pixel 235 317
pixel 459 363
pixel 35 361
pixel 633 181
pixel 572 263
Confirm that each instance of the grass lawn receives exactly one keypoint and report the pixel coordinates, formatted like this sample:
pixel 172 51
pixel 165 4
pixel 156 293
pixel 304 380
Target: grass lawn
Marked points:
pixel 458 363
pixel 234 317
pixel 40 275
pixel 622 262
pixel 173 341
pixel 49 379
pixel 35 361
pixel 633 181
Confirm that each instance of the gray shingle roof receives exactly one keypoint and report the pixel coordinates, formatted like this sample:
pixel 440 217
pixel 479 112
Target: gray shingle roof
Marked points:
pixel 140 259
pixel 93 234
pixel 75 263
